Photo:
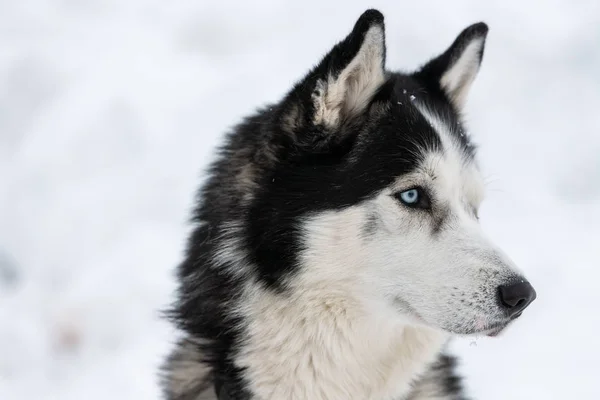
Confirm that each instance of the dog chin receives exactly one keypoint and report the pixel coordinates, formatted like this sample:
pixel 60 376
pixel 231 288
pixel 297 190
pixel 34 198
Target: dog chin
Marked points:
pixel 481 328
pixel 493 329
pixel 497 330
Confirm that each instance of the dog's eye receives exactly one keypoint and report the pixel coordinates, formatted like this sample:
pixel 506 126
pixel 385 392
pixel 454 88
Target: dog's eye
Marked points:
pixel 415 198
pixel 410 196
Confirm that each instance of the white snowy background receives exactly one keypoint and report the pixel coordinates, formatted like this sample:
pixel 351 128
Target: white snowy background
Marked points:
pixel 110 110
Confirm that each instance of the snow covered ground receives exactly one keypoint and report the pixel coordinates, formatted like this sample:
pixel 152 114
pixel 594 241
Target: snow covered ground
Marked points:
pixel 110 109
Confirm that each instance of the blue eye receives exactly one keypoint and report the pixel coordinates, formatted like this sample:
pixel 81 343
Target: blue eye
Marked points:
pixel 410 196
pixel 414 198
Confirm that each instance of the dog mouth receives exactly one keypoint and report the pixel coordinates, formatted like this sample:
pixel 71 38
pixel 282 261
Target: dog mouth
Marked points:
pixel 481 327
pixel 497 328
pixel 493 332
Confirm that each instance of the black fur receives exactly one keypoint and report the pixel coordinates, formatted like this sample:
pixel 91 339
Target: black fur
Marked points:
pixel 278 166
pixel 439 382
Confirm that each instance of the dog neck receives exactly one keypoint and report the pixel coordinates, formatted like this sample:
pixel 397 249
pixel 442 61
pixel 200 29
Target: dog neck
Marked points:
pixel 307 346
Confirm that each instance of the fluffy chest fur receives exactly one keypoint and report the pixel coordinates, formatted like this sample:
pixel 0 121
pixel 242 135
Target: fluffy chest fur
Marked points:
pixel 307 348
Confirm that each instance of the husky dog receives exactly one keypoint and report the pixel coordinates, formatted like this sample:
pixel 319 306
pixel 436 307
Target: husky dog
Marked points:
pixel 336 246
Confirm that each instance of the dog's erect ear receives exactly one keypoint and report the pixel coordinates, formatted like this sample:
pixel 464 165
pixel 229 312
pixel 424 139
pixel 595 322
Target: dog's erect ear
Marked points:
pixel 455 70
pixel 344 82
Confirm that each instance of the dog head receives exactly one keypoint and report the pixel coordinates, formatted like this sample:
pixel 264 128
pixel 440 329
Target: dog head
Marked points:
pixel 374 189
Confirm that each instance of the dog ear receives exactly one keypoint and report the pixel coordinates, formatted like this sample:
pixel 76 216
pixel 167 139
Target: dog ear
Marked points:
pixel 455 70
pixel 343 83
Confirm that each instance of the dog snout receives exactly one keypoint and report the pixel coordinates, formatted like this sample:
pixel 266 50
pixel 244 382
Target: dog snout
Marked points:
pixel 515 297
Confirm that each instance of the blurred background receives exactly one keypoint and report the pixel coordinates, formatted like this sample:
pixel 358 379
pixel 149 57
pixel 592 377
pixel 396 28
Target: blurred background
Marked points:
pixel 110 111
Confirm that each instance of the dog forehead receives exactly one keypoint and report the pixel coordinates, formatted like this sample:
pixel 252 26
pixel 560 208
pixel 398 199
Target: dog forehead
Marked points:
pixel 449 172
pixel 453 165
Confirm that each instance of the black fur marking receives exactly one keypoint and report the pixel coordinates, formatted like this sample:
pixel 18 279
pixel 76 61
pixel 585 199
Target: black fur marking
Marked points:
pixel 440 218
pixel 440 381
pixel 452 383
pixel 370 226
pixel 230 390
pixel 202 310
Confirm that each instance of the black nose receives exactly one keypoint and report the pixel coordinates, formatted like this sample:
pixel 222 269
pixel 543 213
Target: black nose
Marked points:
pixel 516 296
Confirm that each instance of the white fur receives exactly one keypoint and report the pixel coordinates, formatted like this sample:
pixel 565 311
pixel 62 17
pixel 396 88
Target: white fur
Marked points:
pixel 465 168
pixel 457 79
pixel 350 92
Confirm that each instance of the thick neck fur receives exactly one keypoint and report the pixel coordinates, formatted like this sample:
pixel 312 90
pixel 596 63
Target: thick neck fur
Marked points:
pixel 326 337
pixel 308 347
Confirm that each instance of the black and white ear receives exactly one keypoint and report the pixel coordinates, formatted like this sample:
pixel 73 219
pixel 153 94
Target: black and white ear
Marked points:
pixel 344 82
pixel 456 69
